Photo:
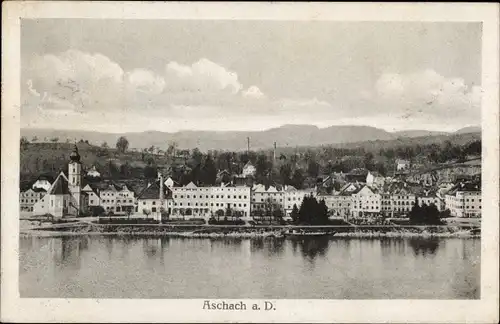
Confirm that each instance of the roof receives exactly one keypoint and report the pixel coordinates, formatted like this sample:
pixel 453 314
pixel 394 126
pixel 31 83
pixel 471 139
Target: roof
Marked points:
pixel 190 185
pixel 248 164
pixel 153 192
pixel 46 177
pixel 60 186
pixel 39 190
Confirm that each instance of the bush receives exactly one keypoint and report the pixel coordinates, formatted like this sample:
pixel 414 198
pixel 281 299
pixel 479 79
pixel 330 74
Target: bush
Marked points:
pixel 96 210
pixel 127 221
pixel 213 221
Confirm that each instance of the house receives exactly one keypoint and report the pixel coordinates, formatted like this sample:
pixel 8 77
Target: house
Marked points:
pixel 28 198
pixel 43 182
pixel 402 165
pixel 154 199
pixel 374 178
pixel 93 173
pixel 366 201
pixel 293 196
pixel 117 199
pixel 170 183
pixel 464 200
pixel 339 205
pixel 357 175
pixel 249 170
pixel 266 198
pixel 194 201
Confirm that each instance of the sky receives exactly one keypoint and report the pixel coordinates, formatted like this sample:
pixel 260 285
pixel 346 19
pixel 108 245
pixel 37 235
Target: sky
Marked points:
pixel 172 75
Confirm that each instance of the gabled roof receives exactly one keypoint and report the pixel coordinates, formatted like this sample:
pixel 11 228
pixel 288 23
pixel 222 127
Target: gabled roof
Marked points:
pixel 39 190
pixel 46 177
pixel 248 164
pixel 60 186
pixel 190 185
pixel 153 192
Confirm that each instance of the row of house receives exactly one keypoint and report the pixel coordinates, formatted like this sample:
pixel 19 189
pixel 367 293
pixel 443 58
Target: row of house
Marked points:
pixel 363 195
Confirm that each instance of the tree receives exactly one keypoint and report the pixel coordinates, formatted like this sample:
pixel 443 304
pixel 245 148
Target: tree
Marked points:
pixel 295 214
pixel 368 161
pixel 104 145
pixel 298 179
pixel 34 139
pixel 313 169
pixel 122 144
pixel 54 139
pixel 146 212
pixel 209 171
pixel 219 213
pixel 24 142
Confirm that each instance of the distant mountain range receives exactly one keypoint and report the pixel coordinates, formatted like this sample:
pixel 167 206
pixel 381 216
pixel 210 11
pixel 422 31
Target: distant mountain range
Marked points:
pixel 284 136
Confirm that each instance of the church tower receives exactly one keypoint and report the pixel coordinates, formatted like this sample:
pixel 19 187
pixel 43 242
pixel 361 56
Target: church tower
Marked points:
pixel 75 179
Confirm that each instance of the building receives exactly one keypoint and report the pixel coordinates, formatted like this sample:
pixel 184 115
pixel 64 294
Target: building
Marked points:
pixel 43 182
pixel 464 200
pixel 339 205
pixel 402 165
pixel 366 201
pixel 266 199
pixel 430 198
pixel 292 196
pixel 402 201
pixel 206 202
pixel 65 196
pixel 28 198
pixel 92 193
pixel 93 172
pixel 373 178
pixel 249 170
pixel 155 199
pixel 117 199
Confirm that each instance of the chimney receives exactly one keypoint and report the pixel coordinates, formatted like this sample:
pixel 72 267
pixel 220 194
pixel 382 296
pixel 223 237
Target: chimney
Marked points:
pixel 160 176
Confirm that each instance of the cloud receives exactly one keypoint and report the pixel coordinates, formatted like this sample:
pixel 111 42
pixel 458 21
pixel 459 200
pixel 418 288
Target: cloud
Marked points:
pixel 145 81
pixel 423 95
pixel 253 92
pixel 203 76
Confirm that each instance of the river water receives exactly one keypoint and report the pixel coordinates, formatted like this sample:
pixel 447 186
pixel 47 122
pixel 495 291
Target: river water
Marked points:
pixel 330 268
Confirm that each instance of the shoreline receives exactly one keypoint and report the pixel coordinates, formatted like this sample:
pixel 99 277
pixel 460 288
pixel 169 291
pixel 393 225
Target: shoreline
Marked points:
pixel 249 232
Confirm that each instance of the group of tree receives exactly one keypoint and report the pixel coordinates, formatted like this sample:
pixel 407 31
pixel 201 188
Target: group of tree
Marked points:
pixel 425 215
pixel 311 212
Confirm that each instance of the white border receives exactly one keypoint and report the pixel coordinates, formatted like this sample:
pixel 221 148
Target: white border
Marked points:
pixel 16 309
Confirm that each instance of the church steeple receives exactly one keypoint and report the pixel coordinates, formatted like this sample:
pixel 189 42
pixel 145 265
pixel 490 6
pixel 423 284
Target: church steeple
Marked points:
pixel 74 156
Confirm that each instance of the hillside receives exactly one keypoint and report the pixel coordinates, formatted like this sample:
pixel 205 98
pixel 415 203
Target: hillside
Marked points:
pixel 284 136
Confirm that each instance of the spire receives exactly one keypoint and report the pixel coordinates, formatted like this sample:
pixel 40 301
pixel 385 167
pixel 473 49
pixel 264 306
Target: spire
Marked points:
pixel 74 156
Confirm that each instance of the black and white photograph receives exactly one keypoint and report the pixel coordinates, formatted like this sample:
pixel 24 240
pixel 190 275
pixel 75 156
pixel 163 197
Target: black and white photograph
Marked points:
pixel 226 160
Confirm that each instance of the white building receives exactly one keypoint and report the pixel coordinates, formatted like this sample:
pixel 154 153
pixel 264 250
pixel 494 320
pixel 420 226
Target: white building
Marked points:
pixel 249 170
pixel 93 172
pixel 205 202
pixel 366 201
pixel 28 198
pixel 43 182
pixel 339 205
pixel 374 178
pixel 402 165
pixel 464 200
pixel 116 199
pixel 293 196
pixel 264 199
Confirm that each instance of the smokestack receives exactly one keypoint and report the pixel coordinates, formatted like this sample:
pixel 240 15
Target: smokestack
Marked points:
pixel 160 176
pixel 248 144
pixel 274 153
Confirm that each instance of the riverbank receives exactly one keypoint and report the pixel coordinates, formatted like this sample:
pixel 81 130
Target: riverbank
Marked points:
pixel 217 231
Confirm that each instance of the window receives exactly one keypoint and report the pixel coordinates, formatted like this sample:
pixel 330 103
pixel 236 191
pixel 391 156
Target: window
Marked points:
pixel 153 209
pixel 143 202
pixel 154 203
pixel 187 196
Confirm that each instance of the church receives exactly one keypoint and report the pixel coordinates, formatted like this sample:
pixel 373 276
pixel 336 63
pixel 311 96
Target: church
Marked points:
pixel 65 196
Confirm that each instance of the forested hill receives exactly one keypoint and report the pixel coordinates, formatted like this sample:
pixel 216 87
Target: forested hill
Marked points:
pixel 297 163
pixel 284 136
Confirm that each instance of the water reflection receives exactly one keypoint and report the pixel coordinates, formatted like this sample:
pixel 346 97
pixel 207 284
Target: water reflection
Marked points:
pixel 311 248
pixel 67 250
pixel 424 247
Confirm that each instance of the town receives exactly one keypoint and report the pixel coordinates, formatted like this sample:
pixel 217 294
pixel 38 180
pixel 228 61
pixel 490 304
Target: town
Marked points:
pixel 358 196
